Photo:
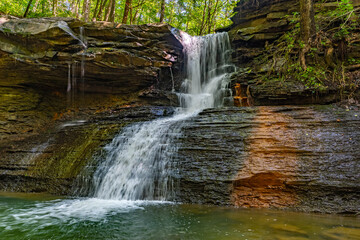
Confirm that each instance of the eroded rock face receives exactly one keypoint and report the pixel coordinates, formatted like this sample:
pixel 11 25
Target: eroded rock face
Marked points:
pixel 52 161
pixel 56 71
pixel 255 24
pixel 116 58
pixel 303 158
pixel 258 24
pixel 50 66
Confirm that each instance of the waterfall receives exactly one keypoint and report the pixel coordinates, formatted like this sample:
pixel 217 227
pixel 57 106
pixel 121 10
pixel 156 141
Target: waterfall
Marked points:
pixel 65 27
pixel 138 162
pixel 72 85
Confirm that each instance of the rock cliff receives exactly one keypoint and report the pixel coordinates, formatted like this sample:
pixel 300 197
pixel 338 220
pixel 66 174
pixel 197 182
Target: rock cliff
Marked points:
pixel 300 158
pixel 264 35
pixel 59 73
pixel 68 87
pixel 53 66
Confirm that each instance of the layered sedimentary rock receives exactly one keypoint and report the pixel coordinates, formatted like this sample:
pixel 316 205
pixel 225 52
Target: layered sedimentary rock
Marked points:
pixel 56 71
pixel 55 160
pixel 257 25
pixel 51 66
pixel 304 158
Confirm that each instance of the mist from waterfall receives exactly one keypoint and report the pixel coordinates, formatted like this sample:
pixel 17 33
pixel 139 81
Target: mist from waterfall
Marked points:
pixel 138 162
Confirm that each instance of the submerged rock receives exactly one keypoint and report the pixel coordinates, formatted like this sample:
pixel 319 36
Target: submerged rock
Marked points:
pixel 338 233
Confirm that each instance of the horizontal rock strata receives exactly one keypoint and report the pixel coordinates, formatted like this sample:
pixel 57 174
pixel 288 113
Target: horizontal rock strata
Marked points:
pixel 303 158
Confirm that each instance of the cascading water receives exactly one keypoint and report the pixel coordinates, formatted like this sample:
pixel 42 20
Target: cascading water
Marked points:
pixel 65 27
pixel 138 162
pixel 72 66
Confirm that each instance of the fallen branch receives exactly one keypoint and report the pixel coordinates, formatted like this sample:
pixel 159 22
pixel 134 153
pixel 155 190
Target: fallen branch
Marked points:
pixel 353 67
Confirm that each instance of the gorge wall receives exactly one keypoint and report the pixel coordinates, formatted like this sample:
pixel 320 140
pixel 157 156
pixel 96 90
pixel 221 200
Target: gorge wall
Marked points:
pixel 264 35
pixel 54 118
pixel 291 157
pixel 46 70
pixel 53 83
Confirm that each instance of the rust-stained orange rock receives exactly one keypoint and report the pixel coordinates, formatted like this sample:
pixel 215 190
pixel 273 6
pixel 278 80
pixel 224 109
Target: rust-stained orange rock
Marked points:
pixel 270 165
pixel 240 98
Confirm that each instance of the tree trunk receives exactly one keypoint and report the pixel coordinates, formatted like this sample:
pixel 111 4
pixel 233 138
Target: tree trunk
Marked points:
pixel 102 6
pixel 307 28
pixel 76 10
pixel 208 20
pixel 86 10
pixel 213 16
pixel 112 11
pixel 27 8
pixel 98 4
pixel 162 11
pixel 54 7
pixel 107 12
pixel 203 19
pixel 126 11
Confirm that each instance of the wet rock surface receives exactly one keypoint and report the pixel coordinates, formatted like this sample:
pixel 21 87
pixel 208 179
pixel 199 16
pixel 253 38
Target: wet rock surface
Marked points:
pixel 51 66
pixel 303 158
pixel 52 161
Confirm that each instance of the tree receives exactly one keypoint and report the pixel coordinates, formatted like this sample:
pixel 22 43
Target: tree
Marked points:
pixel 110 11
pixel 86 10
pixel 307 28
pixel 97 6
pixel 27 8
pixel 162 11
pixel 134 11
pixel 197 17
pixel 98 14
pixel 126 11
pixel 54 7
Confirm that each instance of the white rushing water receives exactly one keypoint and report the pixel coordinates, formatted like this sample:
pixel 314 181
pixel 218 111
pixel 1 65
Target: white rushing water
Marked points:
pixel 138 162
pixel 65 27
pixel 72 84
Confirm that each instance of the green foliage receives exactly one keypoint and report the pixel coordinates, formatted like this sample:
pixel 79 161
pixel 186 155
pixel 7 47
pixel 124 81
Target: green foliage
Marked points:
pixel 344 7
pixel 312 76
pixel 187 15
pixel 11 7
pixel 345 14
pixel 354 61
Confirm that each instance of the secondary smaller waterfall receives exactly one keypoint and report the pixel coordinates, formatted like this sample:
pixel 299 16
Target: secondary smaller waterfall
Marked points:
pixel 65 27
pixel 138 162
pixel 72 86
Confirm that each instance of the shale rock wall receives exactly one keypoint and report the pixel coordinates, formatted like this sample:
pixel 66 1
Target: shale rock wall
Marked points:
pixel 52 83
pixel 46 73
pixel 257 25
pixel 299 158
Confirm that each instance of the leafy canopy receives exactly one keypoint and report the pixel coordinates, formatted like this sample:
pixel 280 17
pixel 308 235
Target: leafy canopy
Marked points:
pixel 197 17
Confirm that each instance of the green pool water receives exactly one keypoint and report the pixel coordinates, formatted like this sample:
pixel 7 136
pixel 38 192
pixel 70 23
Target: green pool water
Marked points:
pixel 43 217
